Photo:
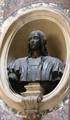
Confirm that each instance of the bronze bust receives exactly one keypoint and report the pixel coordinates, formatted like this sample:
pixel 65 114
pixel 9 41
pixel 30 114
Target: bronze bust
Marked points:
pixel 37 66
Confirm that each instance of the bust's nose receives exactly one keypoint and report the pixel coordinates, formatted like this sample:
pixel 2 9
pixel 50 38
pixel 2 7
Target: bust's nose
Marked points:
pixel 33 41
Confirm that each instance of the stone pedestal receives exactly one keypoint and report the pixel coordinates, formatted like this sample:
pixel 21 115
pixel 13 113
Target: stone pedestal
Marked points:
pixel 33 89
pixel 33 97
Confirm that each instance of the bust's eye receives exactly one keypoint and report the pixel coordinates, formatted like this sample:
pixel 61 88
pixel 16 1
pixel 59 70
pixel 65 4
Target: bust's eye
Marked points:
pixel 36 37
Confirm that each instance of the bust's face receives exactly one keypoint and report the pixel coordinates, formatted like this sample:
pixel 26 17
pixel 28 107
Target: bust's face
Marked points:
pixel 35 41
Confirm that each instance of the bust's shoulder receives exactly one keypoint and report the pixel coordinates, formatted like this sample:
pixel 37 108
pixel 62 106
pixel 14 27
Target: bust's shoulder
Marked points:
pixel 20 61
pixel 23 59
pixel 52 59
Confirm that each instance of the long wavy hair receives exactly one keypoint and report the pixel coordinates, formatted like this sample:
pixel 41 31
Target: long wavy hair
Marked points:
pixel 43 43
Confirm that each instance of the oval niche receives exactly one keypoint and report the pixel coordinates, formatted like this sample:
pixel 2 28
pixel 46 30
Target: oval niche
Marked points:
pixel 13 45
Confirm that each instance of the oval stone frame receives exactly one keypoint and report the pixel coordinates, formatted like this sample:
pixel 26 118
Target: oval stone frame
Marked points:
pixel 9 30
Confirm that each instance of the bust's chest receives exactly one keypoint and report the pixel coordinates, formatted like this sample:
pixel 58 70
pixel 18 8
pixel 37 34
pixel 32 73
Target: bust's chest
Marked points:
pixel 34 67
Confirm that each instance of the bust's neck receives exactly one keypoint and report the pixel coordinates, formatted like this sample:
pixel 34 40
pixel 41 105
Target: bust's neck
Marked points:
pixel 36 54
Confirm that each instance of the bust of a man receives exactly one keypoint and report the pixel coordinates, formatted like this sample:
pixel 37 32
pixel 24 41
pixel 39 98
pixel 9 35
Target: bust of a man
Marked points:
pixel 37 66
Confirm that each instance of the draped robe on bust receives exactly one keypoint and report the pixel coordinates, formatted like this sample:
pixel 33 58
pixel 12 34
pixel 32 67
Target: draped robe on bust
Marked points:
pixel 41 69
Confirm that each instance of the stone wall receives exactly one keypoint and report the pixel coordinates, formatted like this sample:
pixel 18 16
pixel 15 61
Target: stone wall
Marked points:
pixel 7 7
pixel 59 114
pixel 13 5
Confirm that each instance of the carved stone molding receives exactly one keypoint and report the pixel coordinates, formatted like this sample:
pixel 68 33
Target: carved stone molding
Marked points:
pixel 12 26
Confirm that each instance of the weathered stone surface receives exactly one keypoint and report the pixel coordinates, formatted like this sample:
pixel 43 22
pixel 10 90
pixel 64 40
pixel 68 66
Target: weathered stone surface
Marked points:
pixel 7 114
pixel 62 112
pixel 59 114
pixel 13 5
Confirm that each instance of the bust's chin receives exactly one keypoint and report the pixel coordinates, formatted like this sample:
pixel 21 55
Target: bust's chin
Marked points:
pixel 35 48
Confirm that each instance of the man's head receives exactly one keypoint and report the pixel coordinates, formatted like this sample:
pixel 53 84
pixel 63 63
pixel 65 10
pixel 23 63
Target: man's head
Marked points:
pixel 37 43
